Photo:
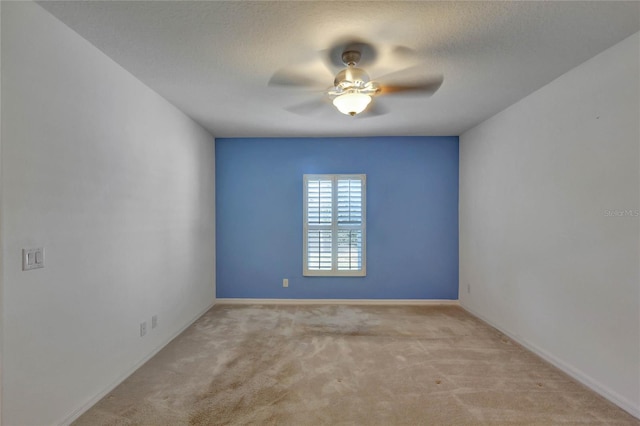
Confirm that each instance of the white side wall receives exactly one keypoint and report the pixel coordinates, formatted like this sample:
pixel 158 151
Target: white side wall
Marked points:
pixel 542 257
pixel 1 224
pixel 118 186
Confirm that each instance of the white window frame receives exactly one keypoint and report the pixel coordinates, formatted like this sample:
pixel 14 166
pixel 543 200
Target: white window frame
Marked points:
pixel 334 227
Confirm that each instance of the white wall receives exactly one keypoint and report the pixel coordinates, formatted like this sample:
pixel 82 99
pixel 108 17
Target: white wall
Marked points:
pixel 118 186
pixel 544 261
pixel 1 226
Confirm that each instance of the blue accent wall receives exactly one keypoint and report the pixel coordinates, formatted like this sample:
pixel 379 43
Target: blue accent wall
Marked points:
pixel 412 216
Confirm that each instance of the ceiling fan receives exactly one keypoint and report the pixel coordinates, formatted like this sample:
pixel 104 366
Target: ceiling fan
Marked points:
pixel 352 90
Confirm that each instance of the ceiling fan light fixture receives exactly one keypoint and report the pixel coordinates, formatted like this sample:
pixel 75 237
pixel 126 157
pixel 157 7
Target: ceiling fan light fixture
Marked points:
pixel 352 103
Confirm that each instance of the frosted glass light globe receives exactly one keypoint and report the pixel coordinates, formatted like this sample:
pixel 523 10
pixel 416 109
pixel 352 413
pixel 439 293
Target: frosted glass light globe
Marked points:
pixel 352 103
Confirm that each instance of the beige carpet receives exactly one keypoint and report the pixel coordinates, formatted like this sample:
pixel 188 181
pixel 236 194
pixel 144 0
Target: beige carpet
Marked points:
pixel 348 365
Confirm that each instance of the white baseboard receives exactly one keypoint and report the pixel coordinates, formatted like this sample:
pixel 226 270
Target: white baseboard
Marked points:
pixel 247 301
pixel 80 411
pixel 575 373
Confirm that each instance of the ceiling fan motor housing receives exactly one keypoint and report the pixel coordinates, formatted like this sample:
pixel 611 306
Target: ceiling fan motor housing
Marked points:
pixel 351 78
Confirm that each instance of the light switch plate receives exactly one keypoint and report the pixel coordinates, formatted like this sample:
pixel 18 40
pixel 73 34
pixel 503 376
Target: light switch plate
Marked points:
pixel 32 258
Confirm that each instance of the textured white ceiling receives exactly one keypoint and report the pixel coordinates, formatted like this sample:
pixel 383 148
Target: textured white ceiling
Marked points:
pixel 213 59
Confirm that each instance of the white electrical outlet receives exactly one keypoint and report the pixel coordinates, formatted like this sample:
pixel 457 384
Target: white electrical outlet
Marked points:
pixel 154 321
pixel 285 282
pixel 143 328
pixel 32 258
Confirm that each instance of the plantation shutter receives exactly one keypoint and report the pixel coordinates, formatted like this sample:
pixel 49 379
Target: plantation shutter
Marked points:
pixel 319 218
pixel 334 225
pixel 349 224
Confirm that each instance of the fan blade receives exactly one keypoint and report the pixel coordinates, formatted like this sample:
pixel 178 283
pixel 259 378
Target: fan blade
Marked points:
pixel 427 87
pixel 403 52
pixel 373 110
pixel 286 77
pixel 328 62
pixel 409 80
pixel 412 73
pixel 309 107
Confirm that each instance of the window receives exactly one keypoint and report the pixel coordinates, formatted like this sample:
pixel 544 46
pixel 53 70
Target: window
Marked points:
pixel 334 225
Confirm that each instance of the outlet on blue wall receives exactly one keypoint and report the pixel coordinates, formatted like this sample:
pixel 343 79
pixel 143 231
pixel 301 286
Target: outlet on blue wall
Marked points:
pixel 412 216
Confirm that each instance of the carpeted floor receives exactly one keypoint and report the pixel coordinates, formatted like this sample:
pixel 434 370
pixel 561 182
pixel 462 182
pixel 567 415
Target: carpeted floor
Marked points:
pixel 348 365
